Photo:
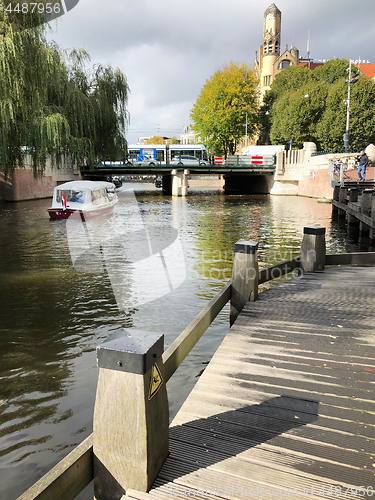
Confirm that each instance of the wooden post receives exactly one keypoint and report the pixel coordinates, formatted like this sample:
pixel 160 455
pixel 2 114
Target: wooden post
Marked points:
pixel 336 191
pixel 313 249
pixel 245 277
pixel 353 195
pixel 342 199
pixel 353 198
pixel 372 231
pixel 131 414
pixel 366 201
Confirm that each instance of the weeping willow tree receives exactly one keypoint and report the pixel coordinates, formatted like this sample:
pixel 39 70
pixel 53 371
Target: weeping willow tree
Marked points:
pixel 50 102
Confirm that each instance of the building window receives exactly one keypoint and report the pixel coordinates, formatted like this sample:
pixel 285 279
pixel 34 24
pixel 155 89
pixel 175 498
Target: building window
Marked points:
pixel 265 48
pixel 270 47
pixel 276 46
pixel 266 81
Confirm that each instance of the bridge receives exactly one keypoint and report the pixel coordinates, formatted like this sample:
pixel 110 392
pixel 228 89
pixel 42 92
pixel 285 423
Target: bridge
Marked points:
pixel 238 171
pixel 295 172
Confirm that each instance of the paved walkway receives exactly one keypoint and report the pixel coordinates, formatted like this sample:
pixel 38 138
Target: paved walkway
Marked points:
pixel 286 407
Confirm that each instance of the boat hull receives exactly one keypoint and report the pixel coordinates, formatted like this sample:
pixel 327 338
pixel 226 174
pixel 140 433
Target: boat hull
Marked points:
pixel 60 214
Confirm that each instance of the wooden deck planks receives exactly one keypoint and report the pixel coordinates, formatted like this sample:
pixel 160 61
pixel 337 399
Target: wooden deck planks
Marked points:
pixel 286 407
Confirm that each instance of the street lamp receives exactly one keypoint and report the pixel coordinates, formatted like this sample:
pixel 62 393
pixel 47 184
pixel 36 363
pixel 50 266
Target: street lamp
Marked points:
pixel 347 102
pixel 246 132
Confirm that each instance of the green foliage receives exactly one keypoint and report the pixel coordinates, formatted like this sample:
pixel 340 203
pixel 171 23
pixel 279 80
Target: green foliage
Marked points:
pixel 362 115
pixel 264 118
pixel 333 70
pixel 290 80
pixel 295 116
pixel 50 104
pixel 306 105
pixel 219 113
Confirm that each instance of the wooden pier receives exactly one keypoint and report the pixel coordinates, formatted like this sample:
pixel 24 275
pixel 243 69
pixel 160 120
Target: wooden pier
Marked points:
pixel 357 204
pixel 286 407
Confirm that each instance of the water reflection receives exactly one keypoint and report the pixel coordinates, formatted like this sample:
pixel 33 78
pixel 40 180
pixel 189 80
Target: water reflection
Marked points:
pixel 53 312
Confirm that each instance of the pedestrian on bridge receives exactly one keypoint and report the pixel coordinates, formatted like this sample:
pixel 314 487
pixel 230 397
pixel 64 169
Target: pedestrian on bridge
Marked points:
pixel 362 164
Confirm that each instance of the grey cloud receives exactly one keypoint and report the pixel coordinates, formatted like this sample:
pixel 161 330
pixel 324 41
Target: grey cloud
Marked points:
pixel 169 49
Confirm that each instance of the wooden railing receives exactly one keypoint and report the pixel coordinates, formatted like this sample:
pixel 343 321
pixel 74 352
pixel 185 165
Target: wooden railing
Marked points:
pixel 181 347
pixel 72 474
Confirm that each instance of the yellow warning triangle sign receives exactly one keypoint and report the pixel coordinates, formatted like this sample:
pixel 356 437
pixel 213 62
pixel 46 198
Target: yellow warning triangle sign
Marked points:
pixel 156 381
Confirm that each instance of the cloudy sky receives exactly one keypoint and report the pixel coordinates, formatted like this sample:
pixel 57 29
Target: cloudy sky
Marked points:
pixel 168 49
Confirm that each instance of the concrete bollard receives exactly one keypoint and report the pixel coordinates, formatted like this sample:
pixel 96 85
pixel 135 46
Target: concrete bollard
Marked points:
pixel 313 249
pixel 245 277
pixel 131 417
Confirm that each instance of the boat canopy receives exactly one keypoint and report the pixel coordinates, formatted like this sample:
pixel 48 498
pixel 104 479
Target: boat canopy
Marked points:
pixel 85 192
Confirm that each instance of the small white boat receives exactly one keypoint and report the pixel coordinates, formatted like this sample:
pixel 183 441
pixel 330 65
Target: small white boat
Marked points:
pixel 82 199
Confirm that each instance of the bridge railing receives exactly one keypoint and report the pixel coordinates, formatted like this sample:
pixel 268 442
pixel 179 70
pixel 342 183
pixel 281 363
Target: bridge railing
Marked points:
pixel 260 161
pixel 130 438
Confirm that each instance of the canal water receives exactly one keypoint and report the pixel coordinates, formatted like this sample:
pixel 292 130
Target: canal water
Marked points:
pixel 66 287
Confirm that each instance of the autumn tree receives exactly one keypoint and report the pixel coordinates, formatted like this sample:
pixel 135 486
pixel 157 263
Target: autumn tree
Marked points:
pixel 50 103
pixel 155 139
pixel 219 114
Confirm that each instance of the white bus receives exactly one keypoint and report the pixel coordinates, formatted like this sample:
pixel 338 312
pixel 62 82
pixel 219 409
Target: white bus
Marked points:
pixel 161 151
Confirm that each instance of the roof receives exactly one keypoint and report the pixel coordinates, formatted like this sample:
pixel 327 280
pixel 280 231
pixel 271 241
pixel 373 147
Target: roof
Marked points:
pixel 313 65
pixel 367 69
pixel 272 9
pixel 81 185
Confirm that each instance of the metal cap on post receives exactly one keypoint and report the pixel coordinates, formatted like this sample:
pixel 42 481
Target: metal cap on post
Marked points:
pixel 131 417
pixel 129 351
pixel 245 276
pixel 313 249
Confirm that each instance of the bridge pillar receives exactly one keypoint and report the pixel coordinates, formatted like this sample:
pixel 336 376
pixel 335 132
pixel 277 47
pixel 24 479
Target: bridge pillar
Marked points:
pixel 131 426
pixel 179 182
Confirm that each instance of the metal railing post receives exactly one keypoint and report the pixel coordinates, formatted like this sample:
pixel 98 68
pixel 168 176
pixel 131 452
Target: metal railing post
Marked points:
pixel 131 413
